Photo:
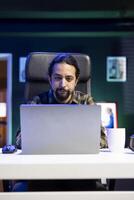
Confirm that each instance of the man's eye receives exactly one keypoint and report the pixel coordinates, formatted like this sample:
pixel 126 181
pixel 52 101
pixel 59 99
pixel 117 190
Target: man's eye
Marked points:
pixel 69 79
pixel 57 78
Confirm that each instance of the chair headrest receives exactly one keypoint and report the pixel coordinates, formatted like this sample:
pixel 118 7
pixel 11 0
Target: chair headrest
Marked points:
pixel 37 64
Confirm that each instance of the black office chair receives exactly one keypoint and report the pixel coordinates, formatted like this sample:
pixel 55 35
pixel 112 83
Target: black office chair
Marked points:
pixel 37 68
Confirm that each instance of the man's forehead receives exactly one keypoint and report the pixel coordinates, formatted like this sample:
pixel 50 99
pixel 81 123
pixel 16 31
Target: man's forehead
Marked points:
pixel 64 68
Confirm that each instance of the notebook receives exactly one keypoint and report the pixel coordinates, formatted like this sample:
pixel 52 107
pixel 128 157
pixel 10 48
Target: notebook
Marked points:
pixel 60 129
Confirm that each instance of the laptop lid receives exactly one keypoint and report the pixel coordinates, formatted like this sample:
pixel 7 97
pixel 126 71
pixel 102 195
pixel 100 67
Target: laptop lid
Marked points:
pixel 60 129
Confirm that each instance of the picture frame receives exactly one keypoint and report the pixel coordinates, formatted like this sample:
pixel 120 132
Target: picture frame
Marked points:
pixel 22 75
pixel 109 118
pixel 116 69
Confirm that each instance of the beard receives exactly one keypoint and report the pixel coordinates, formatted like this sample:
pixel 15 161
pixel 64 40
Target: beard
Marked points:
pixel 62 95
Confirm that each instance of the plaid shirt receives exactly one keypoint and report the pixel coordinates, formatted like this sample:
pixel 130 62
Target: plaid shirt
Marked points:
pixel 77 98
pixel 48 98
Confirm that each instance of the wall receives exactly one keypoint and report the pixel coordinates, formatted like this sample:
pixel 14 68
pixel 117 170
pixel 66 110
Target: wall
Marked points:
pixel 98 38
pixel 66 5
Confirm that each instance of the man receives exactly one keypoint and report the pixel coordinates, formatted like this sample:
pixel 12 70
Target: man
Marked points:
pixel 63 76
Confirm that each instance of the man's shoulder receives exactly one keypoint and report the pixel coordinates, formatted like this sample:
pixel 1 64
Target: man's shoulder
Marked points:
pixel 44 97
pixel 82 98
pixel 41 98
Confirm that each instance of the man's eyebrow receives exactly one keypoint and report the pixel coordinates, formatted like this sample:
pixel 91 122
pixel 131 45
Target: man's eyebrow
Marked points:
pixel 57 74
pixel 69 75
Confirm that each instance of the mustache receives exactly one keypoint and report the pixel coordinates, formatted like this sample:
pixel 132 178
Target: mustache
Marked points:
pixel 62 89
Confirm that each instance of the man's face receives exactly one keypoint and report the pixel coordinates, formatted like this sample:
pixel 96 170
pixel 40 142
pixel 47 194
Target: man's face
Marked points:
pixel 63 81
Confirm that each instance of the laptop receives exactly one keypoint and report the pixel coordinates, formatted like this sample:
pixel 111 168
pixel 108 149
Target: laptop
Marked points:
pixel 60 129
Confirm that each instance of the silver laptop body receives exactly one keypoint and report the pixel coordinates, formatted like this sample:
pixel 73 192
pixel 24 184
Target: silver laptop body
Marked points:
pixel 60 129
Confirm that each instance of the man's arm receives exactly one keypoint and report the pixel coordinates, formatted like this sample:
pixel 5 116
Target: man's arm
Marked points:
pixel 103 140
pixel 18 139
pixel 35 100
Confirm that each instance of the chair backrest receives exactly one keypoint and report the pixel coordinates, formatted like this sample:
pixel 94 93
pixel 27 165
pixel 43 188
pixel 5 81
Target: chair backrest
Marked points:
pixel 37 64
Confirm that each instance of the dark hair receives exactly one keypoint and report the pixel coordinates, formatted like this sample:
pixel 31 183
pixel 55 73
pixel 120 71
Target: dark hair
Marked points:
pixel 64 58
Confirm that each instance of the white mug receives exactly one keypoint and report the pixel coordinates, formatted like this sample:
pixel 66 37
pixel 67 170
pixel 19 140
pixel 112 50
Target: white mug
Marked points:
pixel 116 139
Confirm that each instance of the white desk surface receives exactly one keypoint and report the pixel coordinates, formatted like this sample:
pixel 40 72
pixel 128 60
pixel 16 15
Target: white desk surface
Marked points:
pixel 67 196
pixel 102 165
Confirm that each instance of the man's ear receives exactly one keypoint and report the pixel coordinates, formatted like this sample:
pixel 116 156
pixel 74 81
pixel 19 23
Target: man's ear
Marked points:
pixel 76 81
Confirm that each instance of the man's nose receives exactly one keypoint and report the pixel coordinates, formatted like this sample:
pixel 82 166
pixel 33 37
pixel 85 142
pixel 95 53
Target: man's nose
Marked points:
pixel 63 82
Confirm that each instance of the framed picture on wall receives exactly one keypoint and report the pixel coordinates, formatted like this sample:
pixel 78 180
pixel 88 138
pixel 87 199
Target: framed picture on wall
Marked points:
pixel 22 76
pixel 116 69
pixel 108 114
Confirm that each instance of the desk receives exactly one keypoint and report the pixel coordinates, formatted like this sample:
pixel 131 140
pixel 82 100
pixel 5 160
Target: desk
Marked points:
pixel 103 165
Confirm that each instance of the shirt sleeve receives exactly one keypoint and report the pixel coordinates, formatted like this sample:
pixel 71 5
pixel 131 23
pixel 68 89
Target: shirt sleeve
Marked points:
pixel 18 139
pixel 103 139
